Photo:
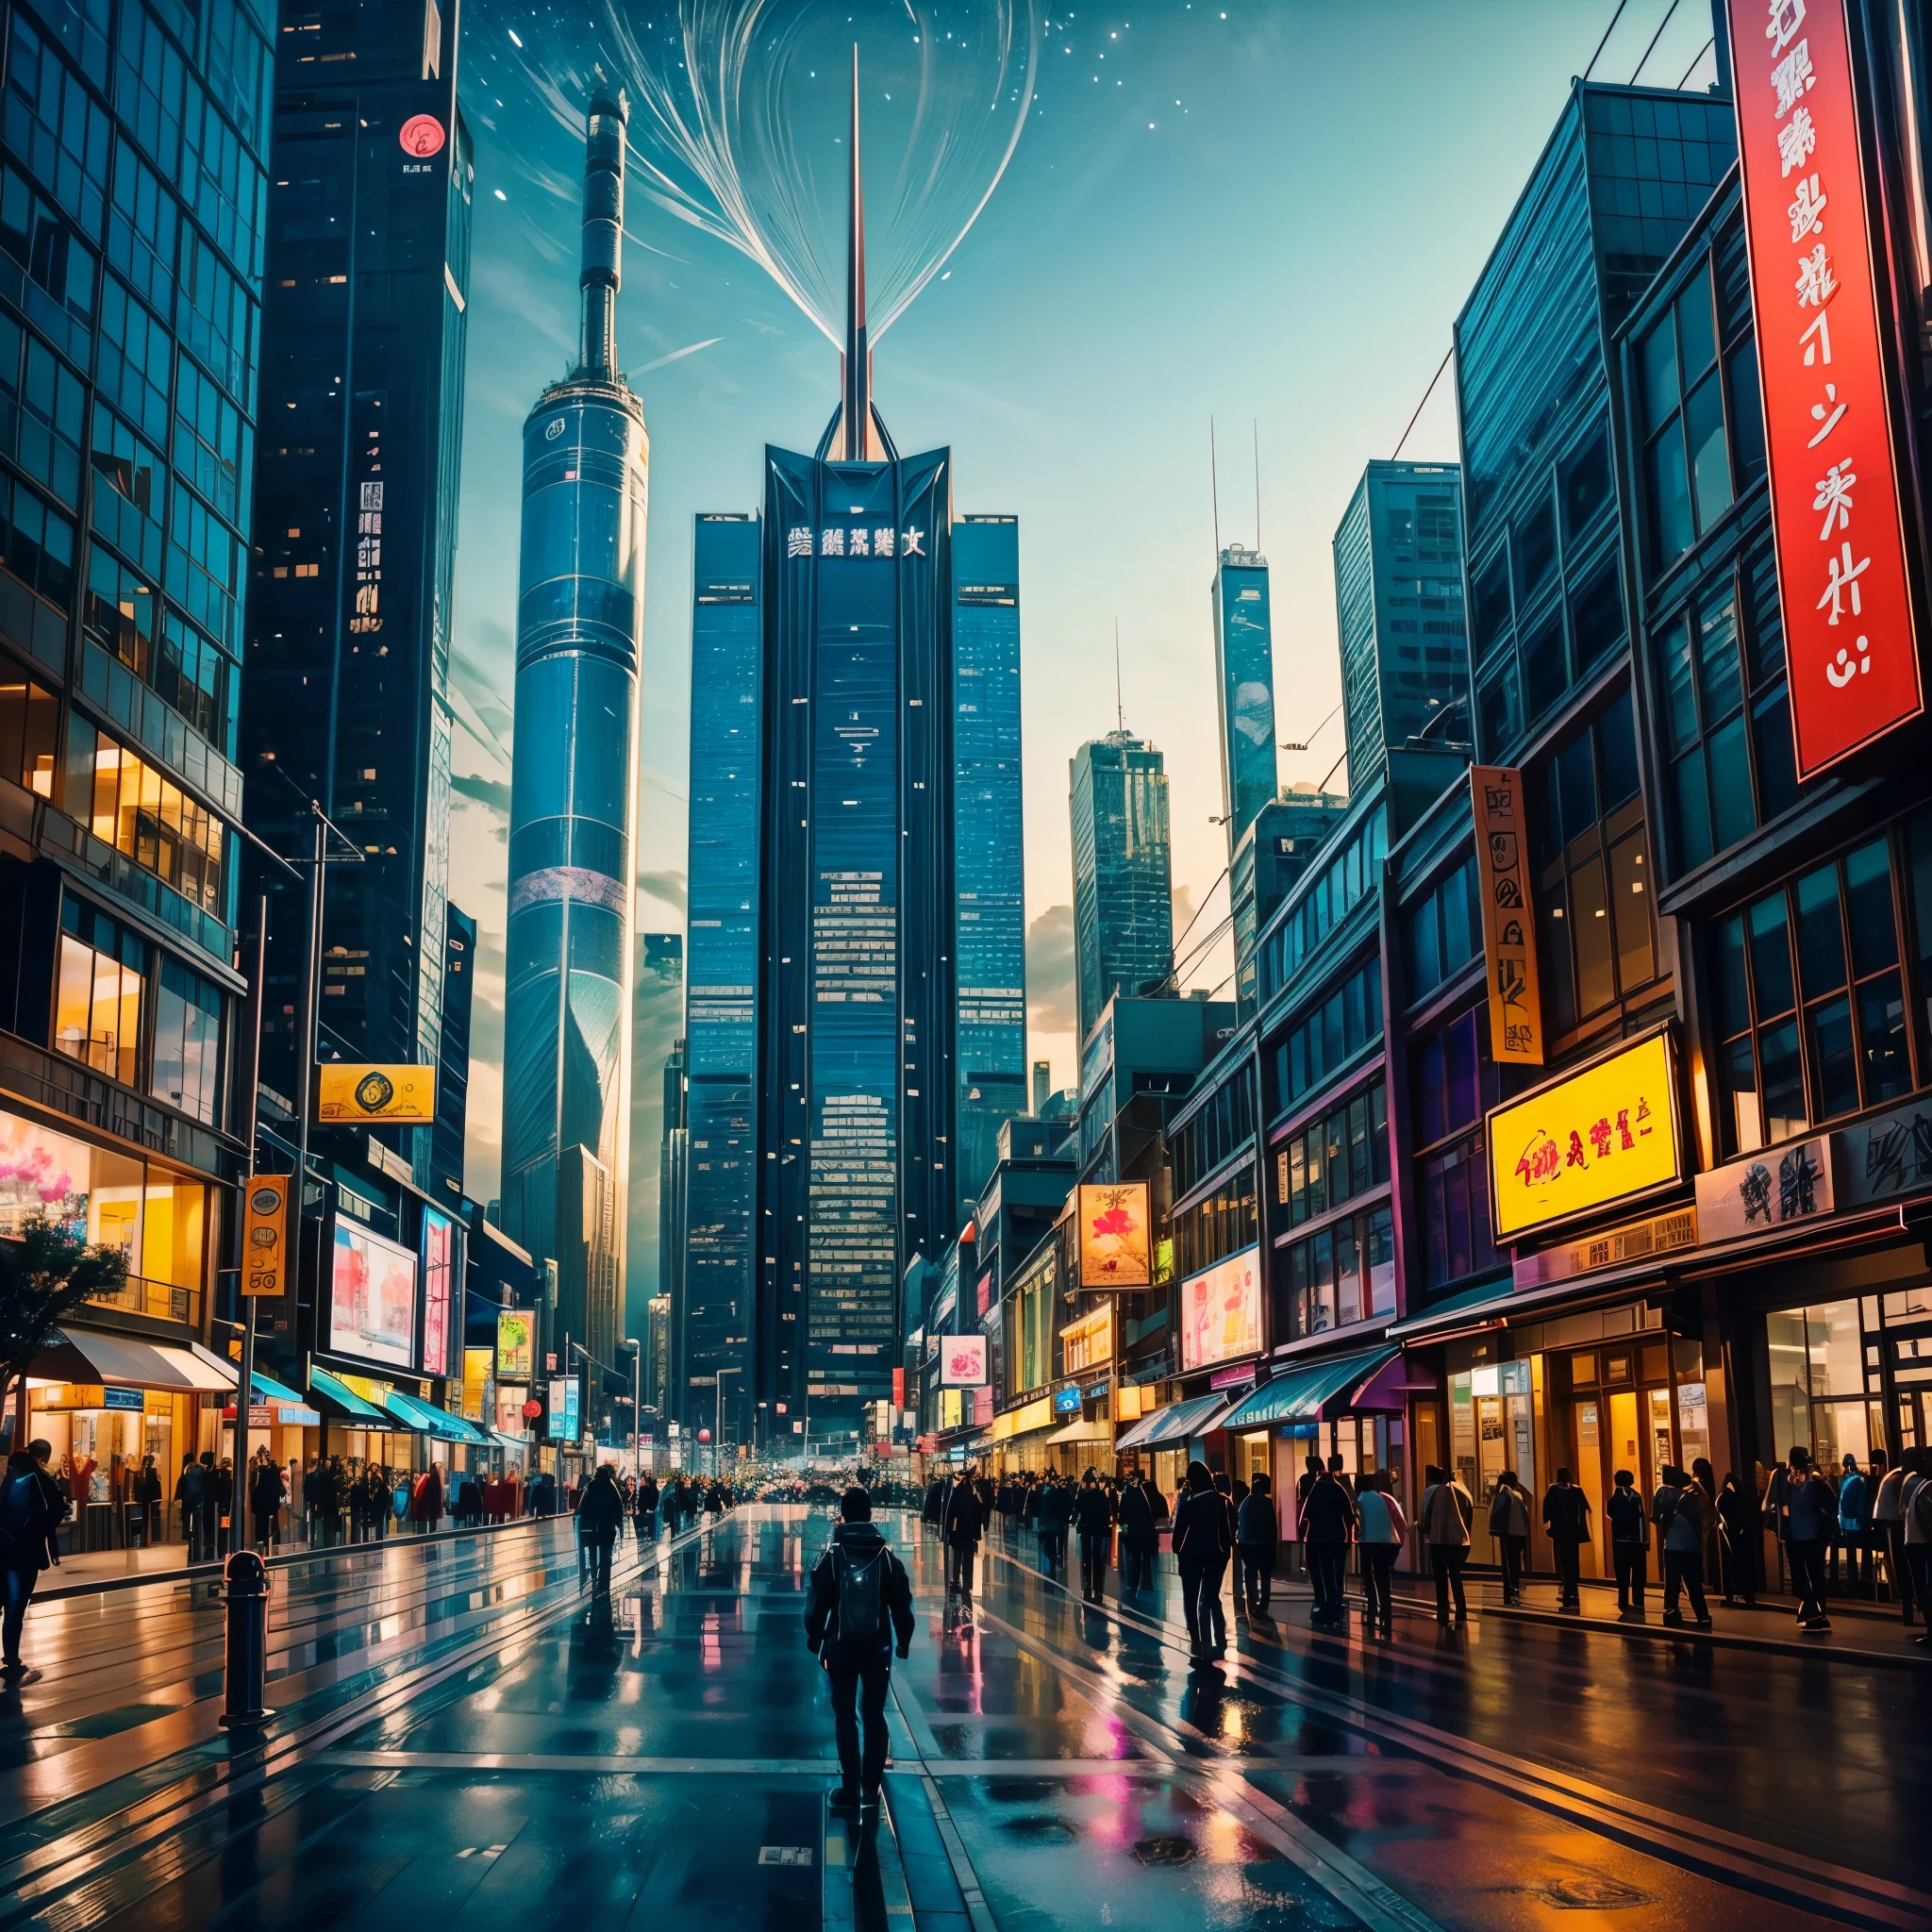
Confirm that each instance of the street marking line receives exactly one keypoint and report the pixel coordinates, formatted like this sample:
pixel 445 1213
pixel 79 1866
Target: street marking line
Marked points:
pixel 596 1764
pixel 1730 1857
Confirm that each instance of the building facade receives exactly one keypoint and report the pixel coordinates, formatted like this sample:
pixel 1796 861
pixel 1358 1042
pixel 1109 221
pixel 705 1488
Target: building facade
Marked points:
pixel 1122 873
pixel 1243 687
pixel 567 1036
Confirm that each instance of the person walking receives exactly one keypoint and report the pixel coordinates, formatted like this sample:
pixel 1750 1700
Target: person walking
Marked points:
pixel 1329 1526
pixel 1741 1530
pixel 1917 1492
pixel 1093 1516
pixel 426 1500
pixel 1566 1516
pixel 600 1515
pixel 644 1509
pixel 31 1511
pixel 1137 1535
pixel 1056 1514
pixel 1888 1524
pixel 1200 1548
pixel 1629 1540
pixel 264 1497
pixel 146 1494
pixel 188 1494
pixel 1382 1532
pixel 859 1610
pixel 1237 1494
pixel 1510 1527
pixel 964 1524
pixel 1807 1513
pixel 1855 1500
pixel 1256 1534
pixel 1447 1510
pixel 1677 1508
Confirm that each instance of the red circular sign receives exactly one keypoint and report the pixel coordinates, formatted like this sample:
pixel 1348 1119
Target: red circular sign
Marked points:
pixel 532 1410
pixel 704 1434
pixel 422 136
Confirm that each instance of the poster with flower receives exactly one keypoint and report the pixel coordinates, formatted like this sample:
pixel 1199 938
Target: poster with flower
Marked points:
pixel 1114 1247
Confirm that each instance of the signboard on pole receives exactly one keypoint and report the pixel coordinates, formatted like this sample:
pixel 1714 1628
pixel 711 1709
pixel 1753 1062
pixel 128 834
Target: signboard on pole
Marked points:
pixel 1502 864
pixel 265 1236
pixel 1823 365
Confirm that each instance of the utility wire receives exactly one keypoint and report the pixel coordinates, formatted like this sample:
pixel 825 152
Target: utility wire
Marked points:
pixel 1606 40
pixel 1655 38
pixel 1426 395
pixel 1701 53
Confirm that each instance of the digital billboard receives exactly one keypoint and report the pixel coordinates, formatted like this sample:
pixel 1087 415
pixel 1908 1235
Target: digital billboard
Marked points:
pixel 1115 1251
pixel 513 1345
pixel 438 1272
pixel 963 1361
pixel 1221 1312
pixel 357 1090
pixel 371 1308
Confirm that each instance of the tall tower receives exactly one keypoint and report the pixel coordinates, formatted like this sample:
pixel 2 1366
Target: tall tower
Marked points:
pixel 1243 686
pixel 1122 871
pixel 579 618
pixel 827 870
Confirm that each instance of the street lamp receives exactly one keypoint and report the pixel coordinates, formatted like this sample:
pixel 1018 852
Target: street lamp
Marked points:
pixel 637 1407
pixel 718 1418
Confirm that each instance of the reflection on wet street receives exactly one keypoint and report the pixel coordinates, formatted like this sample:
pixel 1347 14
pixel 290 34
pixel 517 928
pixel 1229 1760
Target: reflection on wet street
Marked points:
pixel 466 1736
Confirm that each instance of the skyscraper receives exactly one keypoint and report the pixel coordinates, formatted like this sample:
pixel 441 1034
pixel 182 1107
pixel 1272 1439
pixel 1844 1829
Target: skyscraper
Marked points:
pixel 567 1005
pixel 1123 886
pixel 1043 1083
pixel 657 1041
pixel 350 598
pixel 825 908
pixel 1243 686
pixel 1398 601
pixel 987 841
pixel 452 1055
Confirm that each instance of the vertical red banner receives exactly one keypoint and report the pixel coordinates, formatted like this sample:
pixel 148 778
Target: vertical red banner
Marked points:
pixel 1837 507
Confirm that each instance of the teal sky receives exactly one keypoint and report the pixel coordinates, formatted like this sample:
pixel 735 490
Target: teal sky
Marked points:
pixel 1266 213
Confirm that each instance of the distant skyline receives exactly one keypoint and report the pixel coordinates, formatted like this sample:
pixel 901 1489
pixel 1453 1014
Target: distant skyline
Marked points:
pixel 1271 216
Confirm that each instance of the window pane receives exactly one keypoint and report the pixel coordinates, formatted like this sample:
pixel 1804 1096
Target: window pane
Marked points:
pixel 1584 483
pixel 1575 771
pixel 1459 1070
pixel 1456 1187
pixel 1680 697
pixel 1821 937
pixel 1882 1031
pixel 1717 675
pixel 1731 785
pixel 1747 414
pixel 1777 762
pixel 1348 1273
pixel 1771 957
pixel 1545 670
pixel 1727 987
pixel 1615 737
pixel 1596 615
pixel 1656 373
pixel 1831 1048
pixel 1381 1262
pixel 1322 1280
pixel 1868 903
pixel 1710 461
pixel 1670 497
pixel 1693 812
pixel 1555 973
pixel 1630 896
pixel 1696 329
pixel 1738 1079
pixel 1784 1082
pixel 1496 709
pixel 1431 1120
pixel 1490 618
pixel 74 1007
pixel 1533 548
pixel 1595 985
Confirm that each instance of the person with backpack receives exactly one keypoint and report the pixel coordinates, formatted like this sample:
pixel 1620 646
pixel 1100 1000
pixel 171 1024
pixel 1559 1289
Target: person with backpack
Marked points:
pixel 1510 1527
pixel 857 1610
pixel 600 1515
pixel 1258 1533
pixel 1200 1547
pixel 1383 1529
pixel 1447 1510
pixel 1566 1516
pixel 1630 1540
pixel 31 1512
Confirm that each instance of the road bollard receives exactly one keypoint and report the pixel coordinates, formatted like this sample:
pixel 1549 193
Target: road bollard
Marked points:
pixel 247 1581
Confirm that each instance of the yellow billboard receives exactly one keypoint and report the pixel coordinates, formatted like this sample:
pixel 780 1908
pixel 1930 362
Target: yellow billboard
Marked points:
pixel 1603 1134
pixel 1114 1247
pixel 265 1235
pixel 355 1091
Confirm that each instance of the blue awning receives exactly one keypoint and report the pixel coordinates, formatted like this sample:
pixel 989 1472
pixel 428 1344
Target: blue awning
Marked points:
pixel 1301 1394
pixel 1176 1420
pixel 351 1406
pixel 432 1421
pixel 268 1390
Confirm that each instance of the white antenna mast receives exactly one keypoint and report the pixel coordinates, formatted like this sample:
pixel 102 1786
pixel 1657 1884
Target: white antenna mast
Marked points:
pixel 1120 703
pixel 1215 488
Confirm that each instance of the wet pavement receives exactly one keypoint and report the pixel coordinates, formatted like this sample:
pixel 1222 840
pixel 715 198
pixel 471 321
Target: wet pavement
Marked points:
pixel 464 1732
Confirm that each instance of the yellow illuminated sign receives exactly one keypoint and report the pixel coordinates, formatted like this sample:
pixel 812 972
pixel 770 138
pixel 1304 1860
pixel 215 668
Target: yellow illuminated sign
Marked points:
pixel 265 1235
pixel 1018 1421
pixel 355 1090
pixel 1516 1018
pixel 1603 1134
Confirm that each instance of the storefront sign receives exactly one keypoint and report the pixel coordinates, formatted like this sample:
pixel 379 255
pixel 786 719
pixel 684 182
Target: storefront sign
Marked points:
pixel 1066 1401
pixel 513 1346
pixel 1605 1134
pixel 1088 1344
pixel 949 1408
pixel 356 1092
pixel 1824 368
pixel 372 1313
pixel 1882 1158
pixel 963 1361
pixel 1114 1251
pixel 1765 1191
pixel 513 1404
pixel 121 1398
pixel 477 1365
pixel 1221 1312
pixel 1516 1013
pixel 1641 1240
pixel 1233 1378
pixel 1021 1422
pixel 265 1236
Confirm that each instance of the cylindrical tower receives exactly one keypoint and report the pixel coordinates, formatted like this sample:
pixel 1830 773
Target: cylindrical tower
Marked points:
pixel 566 1108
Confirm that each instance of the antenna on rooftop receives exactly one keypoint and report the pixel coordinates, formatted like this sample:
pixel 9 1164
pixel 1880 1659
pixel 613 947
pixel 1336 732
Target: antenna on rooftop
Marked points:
pixel 1215 488
pixel 1120 703
pixel 1257 486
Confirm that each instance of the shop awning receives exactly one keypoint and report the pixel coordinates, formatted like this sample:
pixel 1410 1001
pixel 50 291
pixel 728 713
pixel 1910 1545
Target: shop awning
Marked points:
pixel 515 1444
pixel 1175 1422
pixel 1302 1394
pixel 1083 1431
pixel 345 1404
pixel 431 1421
pixel 1473 1307
pixel 86 1355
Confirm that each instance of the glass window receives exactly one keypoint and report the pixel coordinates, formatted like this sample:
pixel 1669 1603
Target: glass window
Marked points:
pixel 187 1043
pixel 1596 615
pixel 29 722
pixel 1490 589
pixel 1497 710
pixel 1710 462
pixel 1533 548
pixel 1696 329
pixel 101 978
pixel 1669 491
pixel 1585 484
pixel 1546 670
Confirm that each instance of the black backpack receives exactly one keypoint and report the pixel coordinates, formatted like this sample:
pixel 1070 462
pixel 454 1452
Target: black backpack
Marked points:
pixel 27 1518
pixel 861 1599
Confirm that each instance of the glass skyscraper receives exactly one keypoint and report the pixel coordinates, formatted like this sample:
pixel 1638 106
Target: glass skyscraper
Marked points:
pixel 990 877
pixel 1122 883
pixel 350 601
pixel 1398 600
pixel 1243 686
pixel 567 1035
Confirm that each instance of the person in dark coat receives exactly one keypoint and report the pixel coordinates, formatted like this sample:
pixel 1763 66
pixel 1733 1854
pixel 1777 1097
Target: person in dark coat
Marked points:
pixel 1056 1513
pixel 963 1522
pixel 1258 1532
pixel 1138 1536
pixel 1328 1526
pixel 1200 1547
pixel 264 1497
pixel 1566 1516
pixel 644 1509
pixel 859 1577
pixel 31 1511
pixel 600 1514
pixel 1629 1540
pixel 146 1491
pixel 1093 1516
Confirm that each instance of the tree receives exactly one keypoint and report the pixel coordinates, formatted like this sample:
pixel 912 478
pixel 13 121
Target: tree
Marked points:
pixel 45 1275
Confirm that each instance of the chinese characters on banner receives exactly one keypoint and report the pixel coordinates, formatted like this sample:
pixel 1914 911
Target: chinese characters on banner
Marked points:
pixel 842 540
pixel 1596 1136
pixel 1834 478
pixel 367 616
pixel 1766 1191
pixel 1516 1013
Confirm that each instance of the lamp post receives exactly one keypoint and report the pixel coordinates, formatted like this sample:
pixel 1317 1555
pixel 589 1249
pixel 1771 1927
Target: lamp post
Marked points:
pixel 718 1418
pixel 637 1407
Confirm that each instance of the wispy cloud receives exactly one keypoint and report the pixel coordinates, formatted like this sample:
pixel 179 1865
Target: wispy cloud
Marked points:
pixel 677 354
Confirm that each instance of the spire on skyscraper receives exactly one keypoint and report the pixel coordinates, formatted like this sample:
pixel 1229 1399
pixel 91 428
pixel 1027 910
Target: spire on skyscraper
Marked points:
pixel 602 274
